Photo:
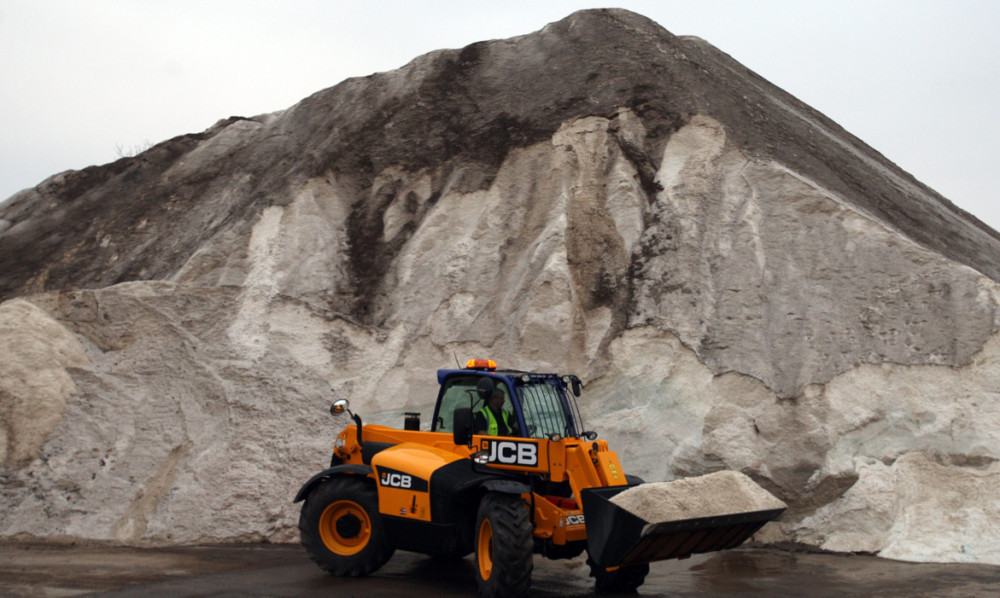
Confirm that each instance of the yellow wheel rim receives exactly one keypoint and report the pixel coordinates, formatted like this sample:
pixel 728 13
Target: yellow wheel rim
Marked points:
pixel 345 527
pixel 484 551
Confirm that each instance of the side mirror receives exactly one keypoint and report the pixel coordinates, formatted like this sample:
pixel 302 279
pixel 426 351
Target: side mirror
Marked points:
pixel 339 406
pixel 462 430
pixel 574 383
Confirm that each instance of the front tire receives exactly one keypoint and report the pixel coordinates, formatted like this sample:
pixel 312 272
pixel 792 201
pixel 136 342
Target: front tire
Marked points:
pixel 621 580
pixel 503 546
pixel 341 529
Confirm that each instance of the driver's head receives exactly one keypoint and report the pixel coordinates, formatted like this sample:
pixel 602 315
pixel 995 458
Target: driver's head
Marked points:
pixel 496 401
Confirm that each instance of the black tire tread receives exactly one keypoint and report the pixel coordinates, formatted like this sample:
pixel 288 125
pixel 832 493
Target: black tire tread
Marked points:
pixel 512 546
pixel 345 487
pixel 620 581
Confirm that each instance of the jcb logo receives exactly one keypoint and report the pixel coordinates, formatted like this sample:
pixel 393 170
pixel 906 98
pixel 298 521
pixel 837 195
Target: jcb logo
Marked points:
pixel 396 480
pixel 510 452
pixel 393 478
pixel 575 520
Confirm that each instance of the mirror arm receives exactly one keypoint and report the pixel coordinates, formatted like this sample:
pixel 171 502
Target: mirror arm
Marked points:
pixel 357 422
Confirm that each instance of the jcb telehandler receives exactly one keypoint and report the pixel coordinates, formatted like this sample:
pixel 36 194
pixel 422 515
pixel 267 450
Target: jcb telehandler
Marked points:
pixel 547 488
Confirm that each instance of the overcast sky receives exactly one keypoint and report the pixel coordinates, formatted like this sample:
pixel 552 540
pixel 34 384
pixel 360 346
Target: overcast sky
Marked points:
pixel 83 81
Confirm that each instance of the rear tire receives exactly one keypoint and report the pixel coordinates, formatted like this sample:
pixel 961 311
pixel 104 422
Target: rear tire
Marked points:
pixel 341 529
pixel 503 546
pixel 621 580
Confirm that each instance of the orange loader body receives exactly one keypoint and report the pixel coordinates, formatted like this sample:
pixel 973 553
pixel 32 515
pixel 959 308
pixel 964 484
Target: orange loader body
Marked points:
pixel 455 489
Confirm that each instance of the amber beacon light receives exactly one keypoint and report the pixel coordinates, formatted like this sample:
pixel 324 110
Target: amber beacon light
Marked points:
pixel 481 364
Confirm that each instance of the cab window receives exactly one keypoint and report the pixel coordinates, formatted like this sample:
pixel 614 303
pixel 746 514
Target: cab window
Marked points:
pixel 460 391
pixel 544 409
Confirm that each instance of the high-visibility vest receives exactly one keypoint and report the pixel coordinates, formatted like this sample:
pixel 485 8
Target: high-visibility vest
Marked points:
pixel 493 429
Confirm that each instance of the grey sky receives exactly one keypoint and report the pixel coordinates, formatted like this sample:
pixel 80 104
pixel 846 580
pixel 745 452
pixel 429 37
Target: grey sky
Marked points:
pixel 81 81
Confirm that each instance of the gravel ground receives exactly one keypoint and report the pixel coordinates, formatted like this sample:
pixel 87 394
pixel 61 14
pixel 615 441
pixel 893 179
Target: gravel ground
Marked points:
pixel 284 570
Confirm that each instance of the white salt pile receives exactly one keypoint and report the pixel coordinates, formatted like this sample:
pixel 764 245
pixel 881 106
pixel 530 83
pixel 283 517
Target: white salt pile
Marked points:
pixel 712 495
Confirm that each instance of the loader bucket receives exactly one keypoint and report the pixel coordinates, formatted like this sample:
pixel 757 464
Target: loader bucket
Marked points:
pixel 618 537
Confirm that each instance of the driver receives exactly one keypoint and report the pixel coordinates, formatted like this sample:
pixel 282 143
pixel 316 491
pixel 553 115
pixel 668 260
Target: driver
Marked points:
pixel 492 420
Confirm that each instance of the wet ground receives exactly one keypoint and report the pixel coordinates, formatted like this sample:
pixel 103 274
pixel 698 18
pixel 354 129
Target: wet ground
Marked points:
pixel 282 570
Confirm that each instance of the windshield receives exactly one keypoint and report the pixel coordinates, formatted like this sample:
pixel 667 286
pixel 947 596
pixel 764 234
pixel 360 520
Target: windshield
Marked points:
pixel 544 408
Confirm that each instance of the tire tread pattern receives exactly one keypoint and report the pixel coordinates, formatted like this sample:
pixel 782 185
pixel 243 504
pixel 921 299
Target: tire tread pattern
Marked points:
pixel 360 490
pixel 620 581
pixel 512 546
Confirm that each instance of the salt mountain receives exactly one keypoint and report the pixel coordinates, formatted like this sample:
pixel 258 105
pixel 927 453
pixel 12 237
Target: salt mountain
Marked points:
pixel 740 282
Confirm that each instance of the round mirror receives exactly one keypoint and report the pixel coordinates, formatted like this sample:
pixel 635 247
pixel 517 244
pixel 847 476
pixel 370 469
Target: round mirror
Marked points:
pixel 339 406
